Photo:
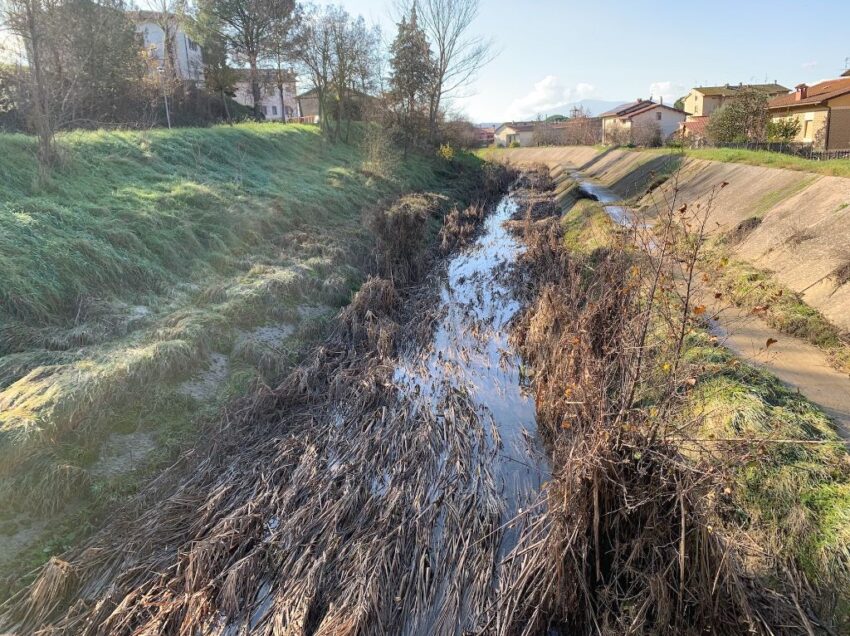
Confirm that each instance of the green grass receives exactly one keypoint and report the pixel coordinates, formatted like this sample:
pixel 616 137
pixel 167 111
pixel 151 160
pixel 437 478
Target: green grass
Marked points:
pixel 144 255
pixel 783 309
pixel 832 167
pixel 586 226
pixel 791 496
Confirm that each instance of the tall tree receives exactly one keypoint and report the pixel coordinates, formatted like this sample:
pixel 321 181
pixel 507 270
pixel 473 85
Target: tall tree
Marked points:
pixel 458 55
pixel 412 66
pixel 248 26
pixel 28 21
pixel 283 49
pixel 338 55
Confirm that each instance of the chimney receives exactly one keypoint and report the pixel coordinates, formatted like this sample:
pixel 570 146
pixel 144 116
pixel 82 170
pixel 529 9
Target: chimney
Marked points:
pixel 661 99
pixel 801 91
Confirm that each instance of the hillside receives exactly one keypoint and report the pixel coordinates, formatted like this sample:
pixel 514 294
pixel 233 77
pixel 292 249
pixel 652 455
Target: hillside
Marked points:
pixel 155 276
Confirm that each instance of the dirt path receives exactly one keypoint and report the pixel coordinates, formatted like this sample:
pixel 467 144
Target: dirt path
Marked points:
pixel 795 362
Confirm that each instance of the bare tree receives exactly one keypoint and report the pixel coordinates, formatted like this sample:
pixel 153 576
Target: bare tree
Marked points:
pixel 339 55
pixel 458 55
pixel 27 20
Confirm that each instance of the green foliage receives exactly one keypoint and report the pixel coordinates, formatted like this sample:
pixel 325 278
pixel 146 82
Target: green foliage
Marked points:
pixel 680 103
pixel 514 144
pixel 831 167
pixel 742 118
pixel 783 130
pixel 412 65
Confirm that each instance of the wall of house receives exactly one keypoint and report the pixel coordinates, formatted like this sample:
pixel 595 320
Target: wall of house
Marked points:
pixel 188 54
pixel 613 129
pixel 501 136
pixel 667 120
pixel 812 122
pixel 701 105
pixel 270 102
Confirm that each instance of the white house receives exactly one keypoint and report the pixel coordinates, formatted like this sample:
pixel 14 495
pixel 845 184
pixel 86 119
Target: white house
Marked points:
pixel 641 122
pixel 188 56
pixel 514 132
pixel 273 104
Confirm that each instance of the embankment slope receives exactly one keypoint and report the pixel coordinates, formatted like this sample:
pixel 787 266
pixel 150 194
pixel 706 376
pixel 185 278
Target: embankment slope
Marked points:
pixel 802 235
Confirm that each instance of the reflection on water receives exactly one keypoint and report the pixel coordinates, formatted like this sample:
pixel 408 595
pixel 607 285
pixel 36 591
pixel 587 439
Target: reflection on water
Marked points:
pixel 471 353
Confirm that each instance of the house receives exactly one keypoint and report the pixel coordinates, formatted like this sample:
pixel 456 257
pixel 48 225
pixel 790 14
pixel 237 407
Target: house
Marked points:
pixel 823 111
pixel 486 135
pixel 642 122
pixel 581 131
pixel 361 106
pixel 188 58
pixel 704 100
pixel 274 104
pixel 694 129
pixel 510 133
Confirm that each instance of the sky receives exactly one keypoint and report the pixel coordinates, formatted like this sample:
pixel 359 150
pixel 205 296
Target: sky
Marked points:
pixel 549 53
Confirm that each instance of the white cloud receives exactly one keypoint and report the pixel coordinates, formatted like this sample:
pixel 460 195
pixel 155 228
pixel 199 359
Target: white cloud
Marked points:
pixel 547 96
pixel 809 65
pixel 668 91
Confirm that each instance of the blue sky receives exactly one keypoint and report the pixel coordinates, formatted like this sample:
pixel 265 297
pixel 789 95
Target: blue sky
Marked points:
pixel 553 52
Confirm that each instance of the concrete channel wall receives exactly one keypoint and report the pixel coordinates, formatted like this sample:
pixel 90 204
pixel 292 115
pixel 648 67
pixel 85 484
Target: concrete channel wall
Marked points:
pixel 804 234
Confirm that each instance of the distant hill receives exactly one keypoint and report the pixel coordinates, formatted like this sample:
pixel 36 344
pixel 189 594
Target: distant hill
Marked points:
pixel 594 106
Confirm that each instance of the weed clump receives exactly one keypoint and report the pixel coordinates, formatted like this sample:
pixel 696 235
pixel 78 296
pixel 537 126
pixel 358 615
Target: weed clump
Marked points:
pixel 743 230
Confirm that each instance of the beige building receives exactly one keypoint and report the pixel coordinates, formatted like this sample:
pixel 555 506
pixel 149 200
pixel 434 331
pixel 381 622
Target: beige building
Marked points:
pixel 514 132
pixel 642 122
pixel 823 111
pixel 188 58
pixel 274 104
pixel 704 100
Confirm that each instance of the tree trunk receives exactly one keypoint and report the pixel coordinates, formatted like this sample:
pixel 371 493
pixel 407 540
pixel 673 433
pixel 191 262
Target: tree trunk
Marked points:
pixel 41 98
pixel 282 103
pixel 255 84
pixel 226 107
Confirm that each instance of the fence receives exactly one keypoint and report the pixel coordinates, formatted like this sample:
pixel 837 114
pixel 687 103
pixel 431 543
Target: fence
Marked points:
pixel 806 151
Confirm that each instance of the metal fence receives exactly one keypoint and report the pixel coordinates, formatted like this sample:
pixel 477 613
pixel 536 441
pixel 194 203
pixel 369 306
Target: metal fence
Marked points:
pixel 806 151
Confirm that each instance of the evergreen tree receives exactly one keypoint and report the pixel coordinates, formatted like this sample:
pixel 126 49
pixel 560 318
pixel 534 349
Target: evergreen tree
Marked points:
pixel 412 75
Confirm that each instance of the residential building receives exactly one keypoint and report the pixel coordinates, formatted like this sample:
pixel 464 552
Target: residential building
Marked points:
pixel 362 106
pixel 486 135
pixel 274 105
pixel 188 58
pixel 514 132
pixel 583 131
pixel 642 122
pixel 704 100
pixel 823 111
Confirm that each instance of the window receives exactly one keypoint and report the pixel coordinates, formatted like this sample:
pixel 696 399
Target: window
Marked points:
pixel 658 116
pixel 274 110
pixel 807 130
pixel 265 110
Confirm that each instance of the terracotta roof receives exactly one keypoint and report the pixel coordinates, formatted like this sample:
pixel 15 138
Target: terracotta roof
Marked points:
pixel 695 127
pixel 815 95
pixel 730 89
pixel 627 111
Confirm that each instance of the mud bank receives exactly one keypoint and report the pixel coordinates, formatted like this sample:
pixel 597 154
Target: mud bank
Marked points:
pixel 788 204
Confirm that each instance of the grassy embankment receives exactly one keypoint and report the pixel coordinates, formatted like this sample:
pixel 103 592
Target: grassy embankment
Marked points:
pixel 156 275
pixel 789 470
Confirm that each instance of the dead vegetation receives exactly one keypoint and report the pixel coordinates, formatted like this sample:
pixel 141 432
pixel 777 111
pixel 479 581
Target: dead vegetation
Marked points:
pixel 337 504
pixel 633 537
pixel 743 230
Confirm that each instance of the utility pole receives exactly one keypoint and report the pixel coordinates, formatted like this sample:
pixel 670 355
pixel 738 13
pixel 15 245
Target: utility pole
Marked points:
pixel 161 71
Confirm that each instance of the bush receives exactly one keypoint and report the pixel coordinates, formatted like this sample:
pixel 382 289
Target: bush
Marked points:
pixel 514 144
